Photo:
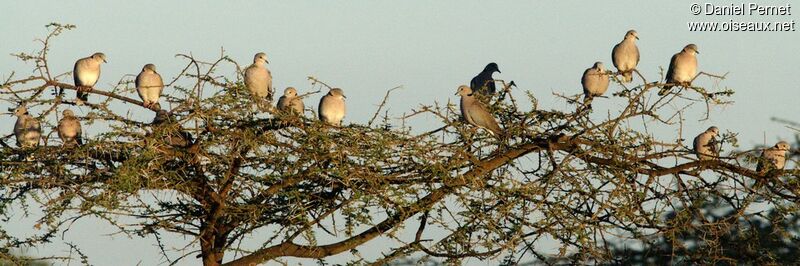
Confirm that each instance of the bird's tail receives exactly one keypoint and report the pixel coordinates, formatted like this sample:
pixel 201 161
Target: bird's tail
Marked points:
pixel 83 96
pixel 627 77
pixel 587 101
pixel 664 90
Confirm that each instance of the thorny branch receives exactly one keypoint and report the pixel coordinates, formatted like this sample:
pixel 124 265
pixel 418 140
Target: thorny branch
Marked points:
pixel 218 172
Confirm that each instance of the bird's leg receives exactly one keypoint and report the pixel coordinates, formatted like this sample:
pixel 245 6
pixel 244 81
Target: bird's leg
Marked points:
pixel 83 88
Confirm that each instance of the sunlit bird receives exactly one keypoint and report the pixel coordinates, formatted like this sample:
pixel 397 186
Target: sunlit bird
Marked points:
pixel 289 102
pixel 773 157
pixel 332 107
pixel 69 129
pixel 149 85
pixel 258 79
pixel 27 129
pixel 475 113
pixel 682 68
pixel 705 144
pixel 595 83
pixel 625 55
pixel 86 73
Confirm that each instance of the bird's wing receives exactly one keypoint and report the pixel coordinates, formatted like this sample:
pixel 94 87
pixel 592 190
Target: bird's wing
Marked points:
pixel 671 68
pixel 482 117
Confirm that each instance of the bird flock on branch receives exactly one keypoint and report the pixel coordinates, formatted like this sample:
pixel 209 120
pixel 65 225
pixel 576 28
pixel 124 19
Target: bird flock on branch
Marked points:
pixel 258 81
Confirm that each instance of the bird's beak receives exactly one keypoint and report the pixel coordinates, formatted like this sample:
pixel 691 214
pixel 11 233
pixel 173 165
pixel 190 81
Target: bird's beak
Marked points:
pixel 265 60
pixel 637 37
pixel 696 51
pixel 453 94
pixel 344 96
pixel 498 71
pixel 104 61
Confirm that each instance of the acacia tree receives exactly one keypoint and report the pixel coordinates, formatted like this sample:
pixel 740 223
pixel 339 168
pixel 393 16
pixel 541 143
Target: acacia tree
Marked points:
pixel 219 168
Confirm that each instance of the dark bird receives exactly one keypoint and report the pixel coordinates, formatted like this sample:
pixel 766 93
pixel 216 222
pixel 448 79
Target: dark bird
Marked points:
pixel 483 83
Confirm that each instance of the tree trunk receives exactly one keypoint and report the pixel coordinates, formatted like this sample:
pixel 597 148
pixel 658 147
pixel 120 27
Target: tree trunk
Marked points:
pixel 211 253
pixel 212 244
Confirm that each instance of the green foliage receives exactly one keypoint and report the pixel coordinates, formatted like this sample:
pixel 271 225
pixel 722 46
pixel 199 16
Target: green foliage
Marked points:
pixel 221 166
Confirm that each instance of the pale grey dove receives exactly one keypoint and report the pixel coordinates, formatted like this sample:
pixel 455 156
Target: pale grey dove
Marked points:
pixel 705 144
pixel 27 129
pixel 149 85
pixel 483 83
pixel 86 73
pixel 625 55
pixel 773 157
pixel 258 79
pixel 69 129
pixel 475 113
pixel 332 108
pixel 289 102
pixel 682 68
pixel 595 83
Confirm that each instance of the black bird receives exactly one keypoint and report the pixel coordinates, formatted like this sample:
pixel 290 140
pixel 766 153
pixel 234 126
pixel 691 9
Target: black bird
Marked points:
pixel 483 83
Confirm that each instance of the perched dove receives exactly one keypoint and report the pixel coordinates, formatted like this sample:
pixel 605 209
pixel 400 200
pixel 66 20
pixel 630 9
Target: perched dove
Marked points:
pixel 258 79
pixel 171 132
pixel 595 83
pixel 483 83
pixel 475 113
pixel 625 55
pixel 86 73
pixel 331 107
pixel 69 129
pixel 27 129
pixel 682 68
pixel 775 156
pixel 149 85
pixel 289 102
pixel 705 144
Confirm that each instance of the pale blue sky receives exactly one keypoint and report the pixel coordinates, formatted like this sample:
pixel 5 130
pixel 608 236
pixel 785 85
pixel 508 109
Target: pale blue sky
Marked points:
pixel 428 47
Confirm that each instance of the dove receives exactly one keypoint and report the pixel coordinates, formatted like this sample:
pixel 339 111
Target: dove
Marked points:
pixel 595 83
pixel 289 102
pixel 483 83
pixel 625 55
pixel 475 113
pixel 258 79
pixel 86 73
pixel 69 129
pixel 27 129
pixel 773 157
pixel 172 132
pixel 682 68
pixel 705 144
pixel 149 86
pixel 332 108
